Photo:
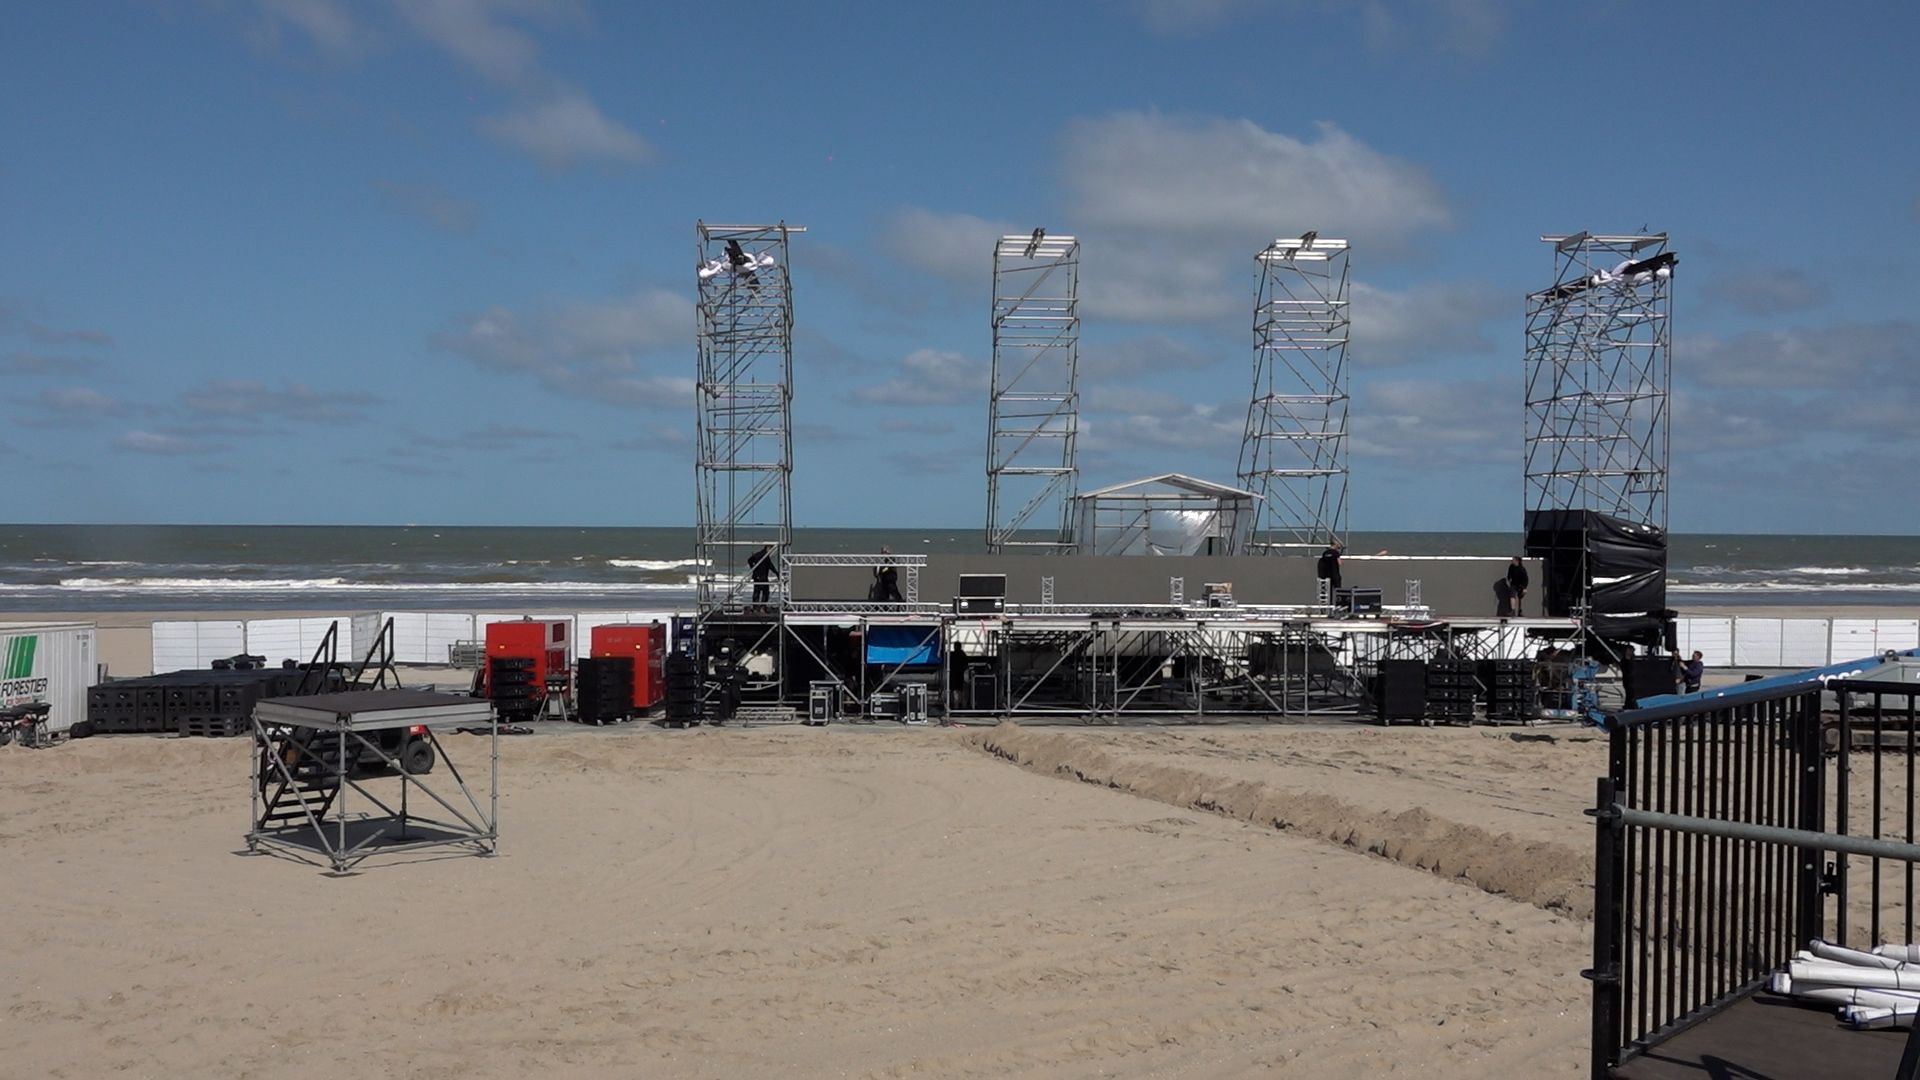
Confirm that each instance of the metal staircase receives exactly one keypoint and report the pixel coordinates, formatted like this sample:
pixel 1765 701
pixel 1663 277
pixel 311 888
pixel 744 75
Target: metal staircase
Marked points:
pixel 300 775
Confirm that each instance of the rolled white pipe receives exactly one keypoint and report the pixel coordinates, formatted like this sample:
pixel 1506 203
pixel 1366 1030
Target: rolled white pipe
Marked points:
pixel 1840 954
pixel 1907 953
pixel 1873 999
pixel 1863 1019
pixel 1831 974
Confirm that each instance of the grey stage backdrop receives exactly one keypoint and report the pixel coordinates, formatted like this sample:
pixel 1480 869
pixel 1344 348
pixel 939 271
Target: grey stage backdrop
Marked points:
pixel 1452 587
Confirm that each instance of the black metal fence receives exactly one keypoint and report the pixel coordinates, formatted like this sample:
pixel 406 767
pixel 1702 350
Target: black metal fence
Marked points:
pixel 1711 860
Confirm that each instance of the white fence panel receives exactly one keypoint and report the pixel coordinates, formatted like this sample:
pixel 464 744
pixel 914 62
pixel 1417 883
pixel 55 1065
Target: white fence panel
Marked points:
pixel 443 629
pixel 1756 642
pixel 1900 635
pixel 366 630
pixel 1855 638
pixel 178 646
pixel 1804 643
pixel 1711 637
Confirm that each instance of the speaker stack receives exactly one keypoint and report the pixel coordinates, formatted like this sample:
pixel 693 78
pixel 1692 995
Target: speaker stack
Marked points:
pixel 1647 676
pixel 510 685
pixel 683 690
pixel 605 688
pixel 1450 690
pixel 1509 689
pixel 1402 691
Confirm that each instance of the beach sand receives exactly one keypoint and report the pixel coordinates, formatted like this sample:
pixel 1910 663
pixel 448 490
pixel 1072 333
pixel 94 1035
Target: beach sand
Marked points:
pixel 839 902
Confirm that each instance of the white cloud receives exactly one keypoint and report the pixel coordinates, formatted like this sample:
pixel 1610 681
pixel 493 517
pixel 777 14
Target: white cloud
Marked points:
pixel 565 130
pixel 1468 28
pixel 1135 170
pixel 957 247
pixel 1152 353
pixel 328 24
pixel 80 401
pixel 1190 16
pixel 162 443
pixel 1429 422
pixel 583 349
pixel 250 399
pixel 549 118
pixel 1441 317
pixel 472 32
pixel 24 363
pixel 931 377
pixel 1767 292
pixel 432 204
pixel 1849 357
pixel 1136 278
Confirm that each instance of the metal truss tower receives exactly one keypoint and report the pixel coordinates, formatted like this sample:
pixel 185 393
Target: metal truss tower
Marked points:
pixel 1034 400
pixel 1294 452
pixel 1597 379
pixel 744 390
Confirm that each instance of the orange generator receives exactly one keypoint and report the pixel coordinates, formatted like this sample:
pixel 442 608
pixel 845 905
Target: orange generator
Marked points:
pixel 523 659
pixel 646 645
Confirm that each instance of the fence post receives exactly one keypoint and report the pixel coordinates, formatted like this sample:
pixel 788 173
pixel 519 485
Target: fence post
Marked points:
pixel 1813 805
pixel 1605 972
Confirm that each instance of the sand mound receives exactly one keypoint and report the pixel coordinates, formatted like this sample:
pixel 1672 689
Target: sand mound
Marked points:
pixel 1547 875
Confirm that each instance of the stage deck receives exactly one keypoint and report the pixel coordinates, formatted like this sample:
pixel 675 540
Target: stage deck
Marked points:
pixel 373 710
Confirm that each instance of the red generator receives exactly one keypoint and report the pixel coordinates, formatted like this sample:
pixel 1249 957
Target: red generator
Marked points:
pixel 523 660
pixel 646 643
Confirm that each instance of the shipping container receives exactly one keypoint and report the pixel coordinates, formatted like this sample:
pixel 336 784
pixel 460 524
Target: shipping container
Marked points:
pixel 51 662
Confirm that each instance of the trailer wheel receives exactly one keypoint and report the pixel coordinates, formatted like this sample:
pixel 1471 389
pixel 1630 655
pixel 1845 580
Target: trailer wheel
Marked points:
pixel 417 759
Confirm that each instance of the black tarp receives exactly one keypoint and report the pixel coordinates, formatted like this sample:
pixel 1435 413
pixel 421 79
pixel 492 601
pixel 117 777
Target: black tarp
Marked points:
pixel 1619 565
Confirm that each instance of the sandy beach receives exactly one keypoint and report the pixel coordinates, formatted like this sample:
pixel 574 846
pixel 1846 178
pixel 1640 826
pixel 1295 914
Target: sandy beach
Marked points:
pixel 838 902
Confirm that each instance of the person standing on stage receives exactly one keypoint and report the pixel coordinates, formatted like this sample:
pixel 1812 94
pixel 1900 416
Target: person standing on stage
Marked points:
pixel 1328 568
pixel 1517 581
pixel 760 566
pixel 886 581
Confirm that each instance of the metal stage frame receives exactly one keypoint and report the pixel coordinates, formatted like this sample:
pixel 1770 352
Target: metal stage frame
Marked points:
pixel 307 752
pixel 1033 402
pixel 744 390
pixel 1597 380
pixel 1294 450
pixel 1103 663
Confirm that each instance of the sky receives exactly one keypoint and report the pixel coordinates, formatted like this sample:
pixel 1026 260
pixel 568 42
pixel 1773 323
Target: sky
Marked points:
pixel 317 261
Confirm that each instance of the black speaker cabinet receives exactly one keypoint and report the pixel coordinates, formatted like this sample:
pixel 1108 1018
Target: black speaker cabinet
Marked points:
pixel 1647 676
pixel 1403 690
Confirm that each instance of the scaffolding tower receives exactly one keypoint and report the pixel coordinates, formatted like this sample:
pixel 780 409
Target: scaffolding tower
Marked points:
pixel 1033 400
pixel 744 458
pixel 1294 452
pixel 1597 377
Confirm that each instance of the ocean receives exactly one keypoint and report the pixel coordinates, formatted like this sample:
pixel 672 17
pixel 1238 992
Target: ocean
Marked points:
pixel 213 567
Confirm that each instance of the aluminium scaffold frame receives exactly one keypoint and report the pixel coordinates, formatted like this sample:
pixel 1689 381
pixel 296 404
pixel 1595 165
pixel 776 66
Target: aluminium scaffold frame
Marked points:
pixel 1293 453
pixel 1597 379
pixel 744 390
pixel 1112 662
pixel 1033 401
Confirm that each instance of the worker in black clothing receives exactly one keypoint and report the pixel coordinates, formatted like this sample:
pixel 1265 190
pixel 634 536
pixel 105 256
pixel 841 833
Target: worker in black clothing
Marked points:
pixel 760 566
pixel 1518 581
pixel 886 581
pixel 1328 568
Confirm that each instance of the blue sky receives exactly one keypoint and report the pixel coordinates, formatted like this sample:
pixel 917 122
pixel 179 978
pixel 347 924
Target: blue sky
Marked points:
pixel 320 261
